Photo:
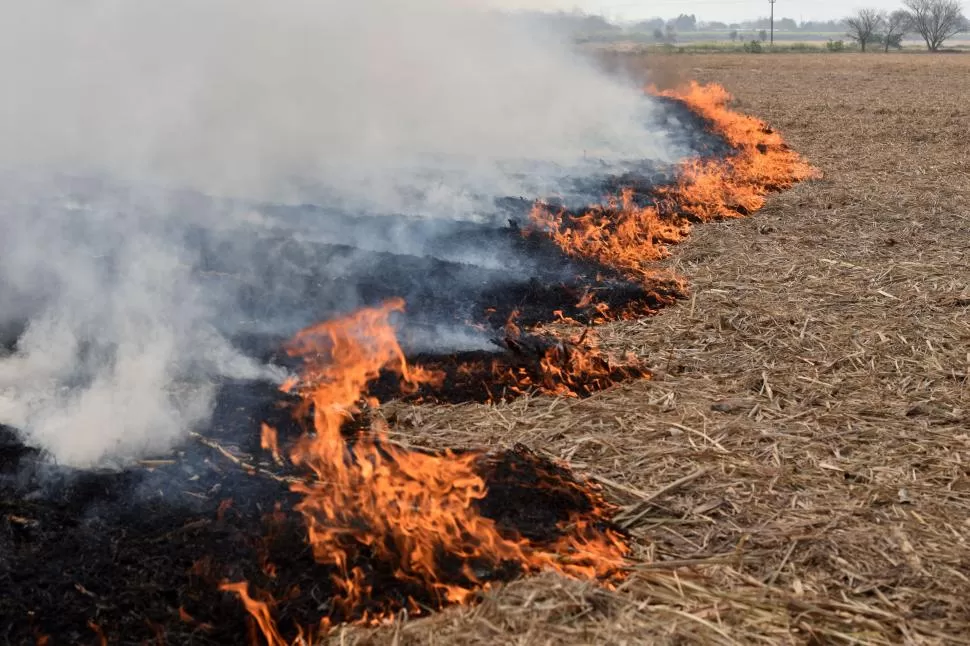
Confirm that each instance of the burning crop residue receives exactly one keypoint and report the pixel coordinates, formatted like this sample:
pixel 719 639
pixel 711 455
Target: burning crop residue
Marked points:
pixel 762 163
pixel 543 360
pixel 628 235
pixel 373 508
pixel 305 513
pixel 404 529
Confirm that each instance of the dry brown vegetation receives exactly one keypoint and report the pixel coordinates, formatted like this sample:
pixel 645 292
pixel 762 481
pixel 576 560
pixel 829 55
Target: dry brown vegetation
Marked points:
pixel 799 469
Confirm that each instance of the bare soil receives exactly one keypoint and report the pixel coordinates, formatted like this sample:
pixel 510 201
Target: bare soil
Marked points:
pixel 798 471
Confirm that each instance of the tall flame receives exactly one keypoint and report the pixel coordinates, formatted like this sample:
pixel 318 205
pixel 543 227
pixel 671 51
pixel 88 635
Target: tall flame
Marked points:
pixel 369 501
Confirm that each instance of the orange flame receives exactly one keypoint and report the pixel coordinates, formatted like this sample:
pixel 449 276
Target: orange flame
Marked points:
pixel 620 234
pixel 99 633
pixel 259 611
pixel 512 329
pixel 710 189
pixel 411 510
pixel 269 441
pixel 627 237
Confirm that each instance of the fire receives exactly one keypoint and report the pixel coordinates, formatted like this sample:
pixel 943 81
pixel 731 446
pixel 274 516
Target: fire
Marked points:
pixel 372 506
pixel 567 367
pixel 269 441
pixel 620 234
pixel 627 236
pixel 541 360
pixel 99 633
pixel 710 189
pixel 379 514
pixel 259 611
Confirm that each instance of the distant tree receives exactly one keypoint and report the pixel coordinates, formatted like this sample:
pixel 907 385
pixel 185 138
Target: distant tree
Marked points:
pixel 670 34
pixel 683 22
pixel 754 47
pixel 936 20
pixel 895 25
pixel 763 35
pixel 595 24
pixel 733 35
pixel 658 35
pixel 786 24
pixel 575 23
pixel 649 25
pixel 821 26
pixel 864 26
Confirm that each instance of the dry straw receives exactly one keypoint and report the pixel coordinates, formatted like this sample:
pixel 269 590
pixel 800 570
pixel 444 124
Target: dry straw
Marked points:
pixel 810 403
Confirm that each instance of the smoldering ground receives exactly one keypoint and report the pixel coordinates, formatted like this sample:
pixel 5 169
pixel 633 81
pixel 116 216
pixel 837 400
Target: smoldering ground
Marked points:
pixel 154 152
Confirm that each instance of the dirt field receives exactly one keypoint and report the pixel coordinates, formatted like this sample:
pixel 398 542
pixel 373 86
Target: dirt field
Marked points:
pixel 799 469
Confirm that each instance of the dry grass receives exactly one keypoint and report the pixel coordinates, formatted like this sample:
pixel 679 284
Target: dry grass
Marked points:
pixel 814 388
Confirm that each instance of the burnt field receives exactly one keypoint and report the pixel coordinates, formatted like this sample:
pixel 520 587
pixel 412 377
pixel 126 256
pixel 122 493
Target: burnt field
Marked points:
pixel 794 471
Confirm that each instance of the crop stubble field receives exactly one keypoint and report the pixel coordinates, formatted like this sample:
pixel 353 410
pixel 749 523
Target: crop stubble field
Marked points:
pixel 798 470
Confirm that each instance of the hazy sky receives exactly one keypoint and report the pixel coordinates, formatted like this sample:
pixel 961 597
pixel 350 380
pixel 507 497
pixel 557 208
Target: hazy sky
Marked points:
pixel 723 10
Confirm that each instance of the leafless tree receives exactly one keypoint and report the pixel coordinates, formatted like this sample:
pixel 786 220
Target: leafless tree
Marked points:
pixel 863 26
pixel 895 26
pixel 936 20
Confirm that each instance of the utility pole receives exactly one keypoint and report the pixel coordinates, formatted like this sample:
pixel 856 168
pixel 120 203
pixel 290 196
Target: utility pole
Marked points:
pixel 772 2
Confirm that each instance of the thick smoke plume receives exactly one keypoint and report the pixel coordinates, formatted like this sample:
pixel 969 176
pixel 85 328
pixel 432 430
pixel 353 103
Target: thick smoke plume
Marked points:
pixel 120 115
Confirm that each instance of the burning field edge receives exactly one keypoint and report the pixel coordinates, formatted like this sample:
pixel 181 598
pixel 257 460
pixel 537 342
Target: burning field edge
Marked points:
pixel 361 529
pixel 422 516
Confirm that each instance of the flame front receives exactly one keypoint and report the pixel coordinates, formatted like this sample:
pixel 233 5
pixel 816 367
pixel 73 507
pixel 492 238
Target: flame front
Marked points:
pixel 626 236
pixel 712 188
pixel 370 504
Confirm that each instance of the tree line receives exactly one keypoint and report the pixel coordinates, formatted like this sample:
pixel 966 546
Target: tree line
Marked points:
pixel 935 21
pixel 686 23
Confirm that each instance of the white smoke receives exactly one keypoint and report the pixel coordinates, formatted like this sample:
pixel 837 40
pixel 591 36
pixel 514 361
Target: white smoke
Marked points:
pixel 118 356
pixel 426 106
pixel 370 101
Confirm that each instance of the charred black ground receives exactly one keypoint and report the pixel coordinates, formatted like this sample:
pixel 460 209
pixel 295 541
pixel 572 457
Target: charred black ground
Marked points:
pixel 141 553
pixel 461 280
pixel 138 554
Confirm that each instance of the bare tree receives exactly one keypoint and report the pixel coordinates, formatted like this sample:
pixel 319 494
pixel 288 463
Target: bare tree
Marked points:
pixel 936 20
pixel 895 25
pixel 863 26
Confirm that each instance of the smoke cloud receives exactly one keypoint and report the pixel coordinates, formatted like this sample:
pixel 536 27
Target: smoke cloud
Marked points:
pixel 130 127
